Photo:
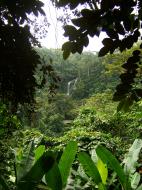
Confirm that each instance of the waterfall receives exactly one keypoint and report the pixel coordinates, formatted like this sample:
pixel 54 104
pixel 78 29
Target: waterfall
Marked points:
pixel 68 87
pixel 71 85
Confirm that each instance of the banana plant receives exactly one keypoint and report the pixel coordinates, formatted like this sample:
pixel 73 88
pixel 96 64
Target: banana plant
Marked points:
pixel 45 168
pixel 131 162
pixel 36 166
pixel 30 169
pixel 57 177
pixel 128 176
pixel 107 157
pixel 96 167
pixel 93 171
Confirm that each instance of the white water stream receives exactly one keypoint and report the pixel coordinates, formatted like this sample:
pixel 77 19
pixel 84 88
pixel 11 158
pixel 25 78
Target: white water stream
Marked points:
pixel 71 86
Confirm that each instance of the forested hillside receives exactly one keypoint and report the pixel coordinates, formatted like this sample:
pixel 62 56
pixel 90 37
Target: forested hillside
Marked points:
pixel 81 77
pixel 85 82
pixel 86 71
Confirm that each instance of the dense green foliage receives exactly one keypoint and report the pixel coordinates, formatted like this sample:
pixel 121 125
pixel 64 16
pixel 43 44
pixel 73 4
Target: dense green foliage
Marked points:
pixel 40 169
pixel 18 58
pixel 35 152
pixel 8 125
pixel 17 62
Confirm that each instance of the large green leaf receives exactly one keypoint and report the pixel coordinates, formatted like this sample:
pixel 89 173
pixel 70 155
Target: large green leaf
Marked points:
pixel 53 178
pixel 66 160
pixel 24 165
pixel 132 157
pixel 34 176
pixel 102 168
pixel 39 152
pixel 106 156
pixel 89 167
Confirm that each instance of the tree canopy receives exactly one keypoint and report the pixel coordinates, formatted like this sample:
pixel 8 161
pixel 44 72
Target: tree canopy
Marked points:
pixel 18 59
pixel 121 21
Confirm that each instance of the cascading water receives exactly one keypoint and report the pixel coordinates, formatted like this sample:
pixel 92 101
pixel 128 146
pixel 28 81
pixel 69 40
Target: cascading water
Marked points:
pixel 71 85
pixel 68 87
